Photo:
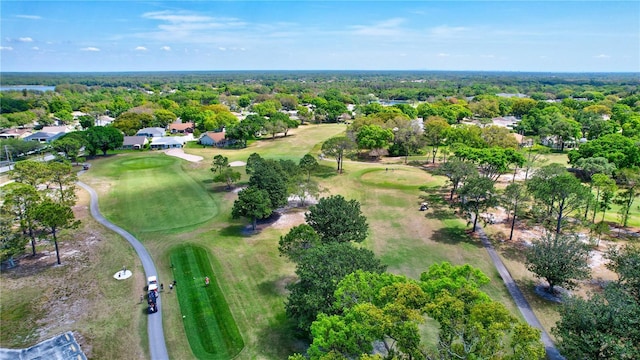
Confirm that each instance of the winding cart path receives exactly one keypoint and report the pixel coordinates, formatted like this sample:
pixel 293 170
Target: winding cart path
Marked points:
pixel 157 344
pixel 521 302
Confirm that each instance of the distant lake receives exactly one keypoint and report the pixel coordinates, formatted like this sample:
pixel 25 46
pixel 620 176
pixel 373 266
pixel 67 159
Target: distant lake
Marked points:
pixel 42 88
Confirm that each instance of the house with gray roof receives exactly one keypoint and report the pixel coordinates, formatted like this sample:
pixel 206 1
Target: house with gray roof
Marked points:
pixel 168 142
pixel 134 142
pixel 44 137
pixel 151 132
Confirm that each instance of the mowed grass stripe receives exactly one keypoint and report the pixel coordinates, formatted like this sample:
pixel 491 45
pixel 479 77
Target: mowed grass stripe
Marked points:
pixel 210 327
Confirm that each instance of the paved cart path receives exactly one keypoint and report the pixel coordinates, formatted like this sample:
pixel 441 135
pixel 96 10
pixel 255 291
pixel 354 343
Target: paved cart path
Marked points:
pixel 521 302
pixel 157 344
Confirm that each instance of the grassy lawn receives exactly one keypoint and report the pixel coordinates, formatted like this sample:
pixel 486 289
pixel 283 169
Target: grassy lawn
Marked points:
pixel 39 299
pixel 210 327
pixel 186 207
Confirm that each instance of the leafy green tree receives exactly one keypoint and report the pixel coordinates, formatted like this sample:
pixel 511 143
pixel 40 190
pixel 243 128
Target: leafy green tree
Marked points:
pixel 253 162
pixel 605 191
pixel 618 149
pixel 561 192
pixel 268 175
pixel 407 139
pixel 338 147
pixel 337 220
pixel 11 242
pixel 30 172
pixel 468 135
pixel 55 217
pixel 244 101
pixel 457 172
pixel 308 164
pixel 130 122
pixel 162 118
pixel 630 181
pixel 521 107
pixel 103 138
pixel 227 176
pixel 253 203
pixel 297 241
pixel 374 137
pixel 68 145
pixel 477 196
pixel 435 132
pixel 86 121
pixel 625 261
pixel 62 181
pixel 392 314
pixel 559 259
pixel 498 136
pixel 604 326
pixel 590 167
pixel 319 271
pixel 19 201
pixel 513 196
pixel 220 163
pixel 472 326
pixel 267 108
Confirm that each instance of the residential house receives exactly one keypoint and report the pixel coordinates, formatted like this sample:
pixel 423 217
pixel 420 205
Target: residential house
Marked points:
pixel 134 142
pixel 57 129
pixel 212 138
pixel 14 134
pixel 151 132
pixel 104 120
pixel 181 128
pixel 168 142
pixel 44 137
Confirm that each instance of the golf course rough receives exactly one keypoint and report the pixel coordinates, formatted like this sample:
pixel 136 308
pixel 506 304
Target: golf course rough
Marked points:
pixel 208 322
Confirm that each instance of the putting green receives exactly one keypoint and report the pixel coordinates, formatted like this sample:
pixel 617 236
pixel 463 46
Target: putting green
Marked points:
pixel 208 322
pixel 146 163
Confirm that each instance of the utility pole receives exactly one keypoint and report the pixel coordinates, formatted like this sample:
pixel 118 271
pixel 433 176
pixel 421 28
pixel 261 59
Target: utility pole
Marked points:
pixel 8 154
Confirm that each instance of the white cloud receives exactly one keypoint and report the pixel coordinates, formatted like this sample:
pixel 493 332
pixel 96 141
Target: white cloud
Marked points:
pixel 602 56
pixel 443 55
pixel 30 17
pixel 140 48
pixel 35 48
pixel 389 27
pixel 25 39
pixel 7 48
pixel 447 31
pixel 90 48
pixel 165 48
pixel 222 48
pixel 179 17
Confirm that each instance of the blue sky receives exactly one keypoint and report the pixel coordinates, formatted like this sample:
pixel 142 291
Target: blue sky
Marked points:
pixel 572 36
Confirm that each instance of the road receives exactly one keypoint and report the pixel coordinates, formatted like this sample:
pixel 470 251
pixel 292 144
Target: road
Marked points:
pixel 47 157
pixel 157 344
pixel 521 302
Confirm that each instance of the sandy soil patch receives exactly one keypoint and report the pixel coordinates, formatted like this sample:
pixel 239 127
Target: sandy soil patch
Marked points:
pixel 180 154
pixel 237 163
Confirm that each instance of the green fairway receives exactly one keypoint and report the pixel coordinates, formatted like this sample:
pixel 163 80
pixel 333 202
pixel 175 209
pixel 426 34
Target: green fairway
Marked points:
pixel 209 325
pixel 152 193
pixel 248 269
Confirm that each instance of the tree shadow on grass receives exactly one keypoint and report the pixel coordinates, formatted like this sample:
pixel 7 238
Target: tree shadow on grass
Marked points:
pixel 276 287
pixel 512 251
pixel 325 172
pixel 282 332
pixel 454 236
pixel 232 230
